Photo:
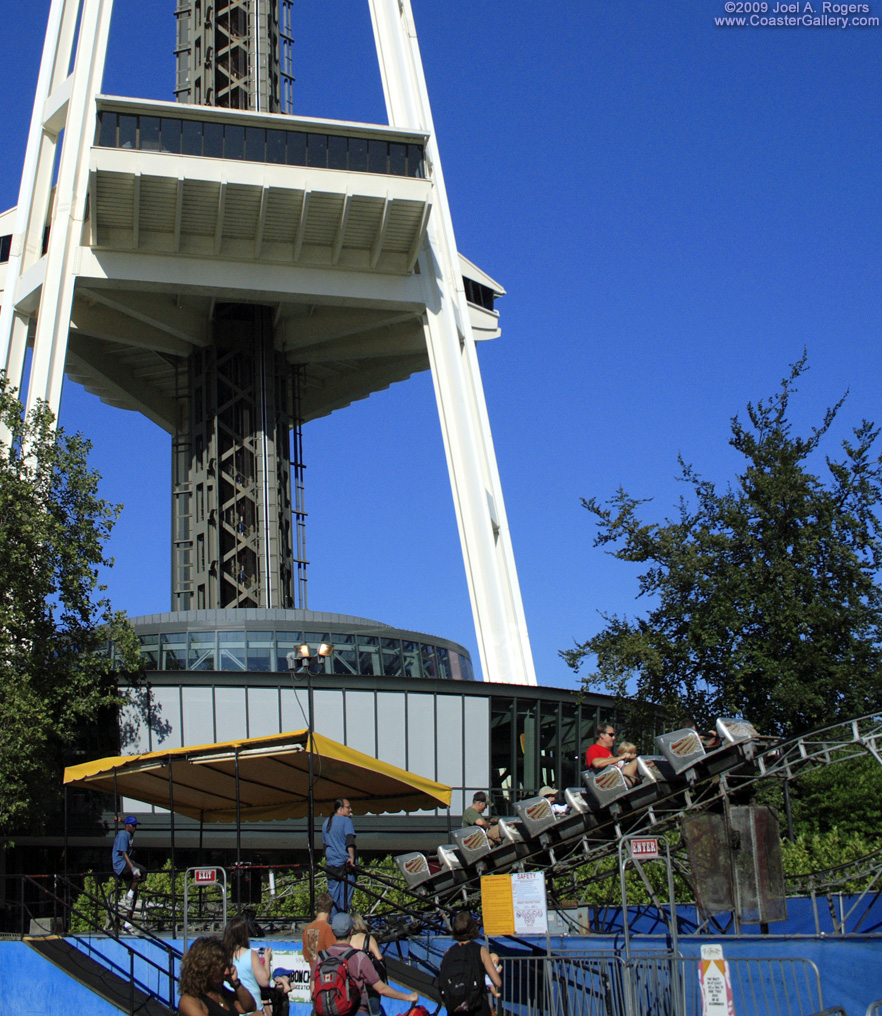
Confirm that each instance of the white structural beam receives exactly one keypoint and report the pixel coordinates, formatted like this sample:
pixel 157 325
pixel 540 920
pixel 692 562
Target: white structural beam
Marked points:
pixel 503 642
pixel 66 104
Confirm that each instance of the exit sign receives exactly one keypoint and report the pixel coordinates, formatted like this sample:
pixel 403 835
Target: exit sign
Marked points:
pixel 205 876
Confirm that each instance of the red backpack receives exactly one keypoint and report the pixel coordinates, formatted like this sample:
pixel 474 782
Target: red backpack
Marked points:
pixel 335 991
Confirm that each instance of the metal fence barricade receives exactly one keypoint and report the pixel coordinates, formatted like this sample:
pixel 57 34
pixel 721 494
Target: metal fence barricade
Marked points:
pixel 570 985
pixel 875 1008
pixel 759 987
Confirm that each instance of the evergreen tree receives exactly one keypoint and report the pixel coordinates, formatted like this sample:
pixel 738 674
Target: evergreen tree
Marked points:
pixel 767 602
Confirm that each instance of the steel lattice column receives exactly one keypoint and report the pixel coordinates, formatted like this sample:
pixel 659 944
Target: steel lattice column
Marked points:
pixel 232 512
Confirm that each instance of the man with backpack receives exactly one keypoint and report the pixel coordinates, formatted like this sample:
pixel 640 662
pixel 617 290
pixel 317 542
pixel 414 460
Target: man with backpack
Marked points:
pixel 342 975
pixel 462 971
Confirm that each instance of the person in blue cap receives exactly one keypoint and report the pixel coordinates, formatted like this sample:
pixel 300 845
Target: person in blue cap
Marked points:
pixel 124 868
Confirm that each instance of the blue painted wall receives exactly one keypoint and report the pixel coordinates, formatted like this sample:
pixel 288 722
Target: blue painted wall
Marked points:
pixel 32 984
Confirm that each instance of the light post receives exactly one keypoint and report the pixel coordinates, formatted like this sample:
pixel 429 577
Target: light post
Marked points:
pixel 305 661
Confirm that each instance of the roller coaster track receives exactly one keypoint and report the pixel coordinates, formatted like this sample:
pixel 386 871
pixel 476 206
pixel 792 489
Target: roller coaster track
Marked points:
pixel 574 849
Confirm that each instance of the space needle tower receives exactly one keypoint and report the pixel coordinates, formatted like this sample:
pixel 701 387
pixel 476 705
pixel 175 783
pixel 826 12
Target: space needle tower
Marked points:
pixel 233 272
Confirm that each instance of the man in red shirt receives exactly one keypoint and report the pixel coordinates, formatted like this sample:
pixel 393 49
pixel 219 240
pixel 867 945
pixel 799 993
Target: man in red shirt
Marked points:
pixel 600 755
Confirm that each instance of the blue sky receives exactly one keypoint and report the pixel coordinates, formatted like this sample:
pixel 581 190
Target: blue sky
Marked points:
pixel 675 211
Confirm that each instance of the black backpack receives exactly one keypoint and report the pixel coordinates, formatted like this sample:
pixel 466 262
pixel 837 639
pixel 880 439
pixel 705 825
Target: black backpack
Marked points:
pixel 461 978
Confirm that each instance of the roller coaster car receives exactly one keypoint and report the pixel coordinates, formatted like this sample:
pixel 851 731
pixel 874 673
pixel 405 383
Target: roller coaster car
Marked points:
pixel 608 788
pixel 420 877
pixel 450 860
pixel 657 769
pixel 472 844
pixel 414 867
pixel 689 758
pixel 514 836
pixel 568 828
pixel 536 814
pixel 510 852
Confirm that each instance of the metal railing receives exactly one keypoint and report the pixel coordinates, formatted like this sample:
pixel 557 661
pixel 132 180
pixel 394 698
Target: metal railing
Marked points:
pixel 139 965
pixel 875 1008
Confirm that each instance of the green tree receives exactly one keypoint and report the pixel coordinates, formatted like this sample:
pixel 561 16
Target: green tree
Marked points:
pixel 766 597
pixel 56 675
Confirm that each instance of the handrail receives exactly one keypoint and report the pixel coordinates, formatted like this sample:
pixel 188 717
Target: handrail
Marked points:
pixel 162 945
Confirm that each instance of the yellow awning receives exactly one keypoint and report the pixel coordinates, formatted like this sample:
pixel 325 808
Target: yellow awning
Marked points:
pixel 273 778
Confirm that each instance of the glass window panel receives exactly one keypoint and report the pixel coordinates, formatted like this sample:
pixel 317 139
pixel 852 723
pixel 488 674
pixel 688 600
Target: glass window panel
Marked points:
pixel 171 135
pixel 328 713
pixel 378 156
pixel 149 134
pixel 213 140
pixel 427 656
pixel 317 150
pixel 527 757
pixel 286 642
pixel 448 710
pixel 336 152
pixel 149 658
pixel 255 144
pixel 345 661
pixel 275 147
pixel 231 651
pixel 502 752
pixel 391 727
pixel 368 659
pixel 411 652
pixel 360 720
pixel 296 148
pixel 230 721
pixel 260 660
pixel 468 671
pixel 264 717
pixel 549 748
pixel 414 160
pixel 198 716
pixel 571 758
pixel 443 658
pixel 174 651
pixel 391 656
pixel 421 734
pixel 261 653
pixel 358 155
pixel 455 669
pixel 234 141
pixel 202 650
pixel 107 124
pixel 191 137
pixel 128 131
pixel 397 159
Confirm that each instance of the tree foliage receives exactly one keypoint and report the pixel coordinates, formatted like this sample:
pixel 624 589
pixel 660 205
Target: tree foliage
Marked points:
pixel 766 595
pixel 56 675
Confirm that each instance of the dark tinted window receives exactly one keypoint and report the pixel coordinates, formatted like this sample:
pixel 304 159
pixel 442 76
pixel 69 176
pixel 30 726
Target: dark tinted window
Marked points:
pixel 107 130
pixel 255 144
pixel 234 142
pixel 191 137
pixel 275 146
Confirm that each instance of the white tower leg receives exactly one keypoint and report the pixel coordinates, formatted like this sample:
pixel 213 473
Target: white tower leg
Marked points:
pixel 501 628
pixel 41 285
